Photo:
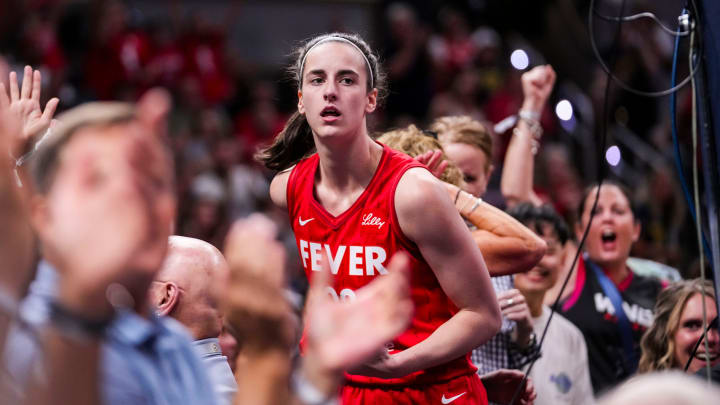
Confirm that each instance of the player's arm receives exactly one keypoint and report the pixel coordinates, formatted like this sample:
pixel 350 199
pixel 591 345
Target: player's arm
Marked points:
pixel 278 188
pixel 427 216
pixel 507 246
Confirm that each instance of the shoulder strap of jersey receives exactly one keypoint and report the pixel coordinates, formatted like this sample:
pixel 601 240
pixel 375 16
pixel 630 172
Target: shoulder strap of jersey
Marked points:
pixel 299 176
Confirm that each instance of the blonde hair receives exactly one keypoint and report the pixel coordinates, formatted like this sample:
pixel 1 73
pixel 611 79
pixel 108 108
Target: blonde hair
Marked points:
pixel 463 129
pixel 414 142
pixel 657 344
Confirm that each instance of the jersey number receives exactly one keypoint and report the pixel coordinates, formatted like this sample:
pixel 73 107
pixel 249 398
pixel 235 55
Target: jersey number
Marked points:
pixel 346 294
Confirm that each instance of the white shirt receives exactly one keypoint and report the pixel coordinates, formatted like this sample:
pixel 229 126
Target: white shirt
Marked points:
pixel 561 375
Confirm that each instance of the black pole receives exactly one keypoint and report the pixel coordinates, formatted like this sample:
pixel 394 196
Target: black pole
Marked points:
pixel 708 106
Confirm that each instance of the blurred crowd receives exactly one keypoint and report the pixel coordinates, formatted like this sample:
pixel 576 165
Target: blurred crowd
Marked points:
pixel 441 59
pixel 482 96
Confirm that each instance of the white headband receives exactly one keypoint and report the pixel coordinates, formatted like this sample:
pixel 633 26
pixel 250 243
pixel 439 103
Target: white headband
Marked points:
pixel 341 39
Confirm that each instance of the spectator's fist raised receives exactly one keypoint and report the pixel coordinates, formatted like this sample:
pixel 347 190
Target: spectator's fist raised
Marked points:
pixel 537 84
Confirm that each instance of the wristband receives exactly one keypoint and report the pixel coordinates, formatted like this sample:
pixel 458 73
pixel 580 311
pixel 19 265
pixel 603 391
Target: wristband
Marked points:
pixel 457 195
pixel 534 142
pixel 307 393
pixel 75 326
pixel 529 115
pixel 527 348
pixel 477 203
pixel 461 210
pixel 532 120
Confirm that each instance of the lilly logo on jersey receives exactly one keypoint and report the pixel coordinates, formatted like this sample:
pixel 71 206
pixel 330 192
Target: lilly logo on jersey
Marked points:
pixel 371 220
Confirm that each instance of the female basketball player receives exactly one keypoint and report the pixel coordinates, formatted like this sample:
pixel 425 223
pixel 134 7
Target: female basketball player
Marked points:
pixel 357 203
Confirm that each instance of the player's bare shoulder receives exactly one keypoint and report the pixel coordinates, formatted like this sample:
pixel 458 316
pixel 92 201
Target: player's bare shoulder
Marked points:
pixel 278 187
pixel 416 187
pixel 419 195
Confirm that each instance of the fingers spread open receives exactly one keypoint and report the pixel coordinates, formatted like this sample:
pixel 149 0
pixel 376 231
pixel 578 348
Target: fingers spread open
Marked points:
pixel 26 82
pixel 50 109
pixel 14 89
pixel 36 85
pixel 4 100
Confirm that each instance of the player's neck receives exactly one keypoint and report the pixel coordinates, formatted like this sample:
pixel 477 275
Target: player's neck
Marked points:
pixel 348 165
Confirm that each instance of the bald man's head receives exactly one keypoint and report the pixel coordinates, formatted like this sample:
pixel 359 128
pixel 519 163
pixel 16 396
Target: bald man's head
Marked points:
pixel 185 287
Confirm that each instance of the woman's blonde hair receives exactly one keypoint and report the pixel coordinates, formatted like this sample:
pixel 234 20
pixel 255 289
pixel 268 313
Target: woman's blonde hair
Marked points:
pixel 463 129
pixel 657 344
pixel 414 142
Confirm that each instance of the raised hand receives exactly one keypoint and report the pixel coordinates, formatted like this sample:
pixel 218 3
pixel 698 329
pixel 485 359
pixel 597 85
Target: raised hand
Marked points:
pixel 24 103
pixel 537 84
pixel 16 249
pixel 342 335
pixel 502 384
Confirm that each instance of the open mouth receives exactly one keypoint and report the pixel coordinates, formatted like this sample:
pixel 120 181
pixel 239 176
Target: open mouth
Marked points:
pixel 608 236
pixel 330 112
pixel 707 357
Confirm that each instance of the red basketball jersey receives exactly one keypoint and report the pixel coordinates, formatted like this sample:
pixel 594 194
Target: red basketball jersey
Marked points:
pixel 359 243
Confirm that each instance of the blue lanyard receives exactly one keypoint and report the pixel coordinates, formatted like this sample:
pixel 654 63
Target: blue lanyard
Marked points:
pixel 613 294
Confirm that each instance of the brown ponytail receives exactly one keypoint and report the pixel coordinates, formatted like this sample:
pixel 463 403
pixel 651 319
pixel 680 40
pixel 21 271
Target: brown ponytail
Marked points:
pixel 291 145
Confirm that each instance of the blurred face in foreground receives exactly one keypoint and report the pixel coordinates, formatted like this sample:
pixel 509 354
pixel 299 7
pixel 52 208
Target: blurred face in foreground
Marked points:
pixel 111 196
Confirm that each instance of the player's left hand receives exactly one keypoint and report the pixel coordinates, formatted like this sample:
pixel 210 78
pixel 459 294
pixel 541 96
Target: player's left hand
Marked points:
pixel 384 365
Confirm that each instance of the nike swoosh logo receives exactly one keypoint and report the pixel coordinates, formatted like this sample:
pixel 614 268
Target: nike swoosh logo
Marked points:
pixel 302 223
pixel 451 399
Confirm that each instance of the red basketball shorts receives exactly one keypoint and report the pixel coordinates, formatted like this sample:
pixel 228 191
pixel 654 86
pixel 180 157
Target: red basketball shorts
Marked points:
pixel 464 390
